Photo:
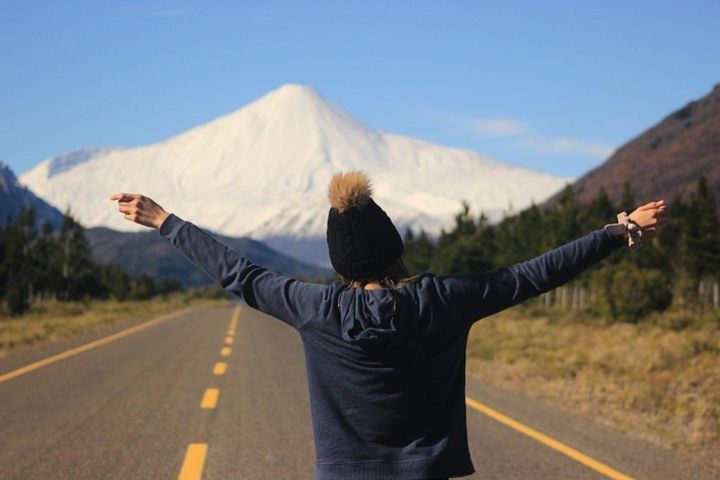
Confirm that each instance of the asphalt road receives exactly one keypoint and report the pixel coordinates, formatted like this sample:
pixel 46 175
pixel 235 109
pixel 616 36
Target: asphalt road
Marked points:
pixel 138 407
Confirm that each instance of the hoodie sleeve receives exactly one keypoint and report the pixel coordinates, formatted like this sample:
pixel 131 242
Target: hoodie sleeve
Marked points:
pixel 477 295
pixel 292 301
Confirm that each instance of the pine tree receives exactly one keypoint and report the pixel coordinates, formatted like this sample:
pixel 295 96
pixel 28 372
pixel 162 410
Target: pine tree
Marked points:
pixel 520 237
pixel 143 287
pixel 19 237
pixel 77 270
pixel 3 256
pixel 627 200
pixel 115 281
pixel 419 251
pixel 703 239
pixel 469 247
pixel 600 211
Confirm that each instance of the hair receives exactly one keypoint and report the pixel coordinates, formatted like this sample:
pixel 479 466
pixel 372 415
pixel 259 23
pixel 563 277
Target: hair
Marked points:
pixel 394 276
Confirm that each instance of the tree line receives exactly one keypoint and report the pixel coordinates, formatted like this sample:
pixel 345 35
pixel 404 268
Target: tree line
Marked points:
pixel 56 264
pixel 680 268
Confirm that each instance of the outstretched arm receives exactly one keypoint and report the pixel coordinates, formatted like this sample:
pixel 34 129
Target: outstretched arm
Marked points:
pixel 282 297
pixel 482 294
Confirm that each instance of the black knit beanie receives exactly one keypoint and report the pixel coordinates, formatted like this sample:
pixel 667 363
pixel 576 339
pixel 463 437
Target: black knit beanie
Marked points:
pixel 361 238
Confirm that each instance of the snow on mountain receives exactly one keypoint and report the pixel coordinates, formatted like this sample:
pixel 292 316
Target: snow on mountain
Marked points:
pixel 262 171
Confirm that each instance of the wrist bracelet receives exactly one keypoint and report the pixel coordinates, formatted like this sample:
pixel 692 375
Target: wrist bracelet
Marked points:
pixel 626 227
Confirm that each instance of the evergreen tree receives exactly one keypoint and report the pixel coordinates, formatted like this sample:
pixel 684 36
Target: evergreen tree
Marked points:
pixel 143 287
pixel 703 238
pixel 169 285
pixel 520 237
pixel 115 281
pixel 17 263
pixel 77 272
pixel 469 247
pixel 419 251
pixel 564 221
pixel 600 211
pixel 627 200
pixel 3 255
pixel 46 265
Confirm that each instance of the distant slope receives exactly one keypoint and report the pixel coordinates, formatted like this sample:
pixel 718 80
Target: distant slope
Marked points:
pixel 14 198
pixel 665 160
pixel 149 253
pixel 262 171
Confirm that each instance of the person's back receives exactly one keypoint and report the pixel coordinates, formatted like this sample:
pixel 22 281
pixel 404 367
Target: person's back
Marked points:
pixel 386 371
pixel 385 352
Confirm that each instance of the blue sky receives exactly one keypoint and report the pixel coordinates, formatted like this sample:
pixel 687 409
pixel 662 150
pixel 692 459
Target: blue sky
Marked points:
pixel 551 85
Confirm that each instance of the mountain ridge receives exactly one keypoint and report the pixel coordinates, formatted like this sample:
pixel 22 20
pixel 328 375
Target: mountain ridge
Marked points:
pixel 263 169
pixel 14 197
pixel 665 160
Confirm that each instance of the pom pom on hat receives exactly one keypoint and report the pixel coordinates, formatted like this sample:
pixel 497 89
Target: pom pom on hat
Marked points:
pixel 348 190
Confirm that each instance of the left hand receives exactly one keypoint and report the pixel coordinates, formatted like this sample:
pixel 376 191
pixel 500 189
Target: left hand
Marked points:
pixel 650 218
pixel 140 209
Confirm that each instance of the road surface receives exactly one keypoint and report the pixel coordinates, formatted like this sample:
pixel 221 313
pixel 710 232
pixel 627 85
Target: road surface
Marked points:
pixel 220 393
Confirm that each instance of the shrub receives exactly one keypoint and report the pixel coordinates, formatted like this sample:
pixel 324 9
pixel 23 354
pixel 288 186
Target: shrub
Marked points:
pixel 624 292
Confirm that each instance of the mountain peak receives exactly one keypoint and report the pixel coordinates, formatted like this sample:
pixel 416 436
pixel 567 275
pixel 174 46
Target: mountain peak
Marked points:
pixel 289 96
pixel 294 89
pixel 262 170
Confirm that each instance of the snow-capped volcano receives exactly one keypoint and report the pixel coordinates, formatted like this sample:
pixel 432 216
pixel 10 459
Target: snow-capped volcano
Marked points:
pixel 263 170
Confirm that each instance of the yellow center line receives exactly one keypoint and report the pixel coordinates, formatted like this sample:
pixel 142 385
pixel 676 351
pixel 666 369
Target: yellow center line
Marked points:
pixel 225 351
pixel 236 315
pixel 547 441
pixel 220 368
pixel 231 332
pixel 192 466
pixel 89 346
pixel 229 340
pixel 210 398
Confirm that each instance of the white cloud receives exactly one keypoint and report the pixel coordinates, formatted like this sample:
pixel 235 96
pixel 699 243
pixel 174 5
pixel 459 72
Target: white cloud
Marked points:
pixel 483 127
pixel 525 138
pixel 578 146
pixel 495 127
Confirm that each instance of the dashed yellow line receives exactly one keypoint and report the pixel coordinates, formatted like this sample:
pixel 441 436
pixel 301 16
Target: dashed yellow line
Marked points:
pixel 236 316
pixel 89 346
pixel 210 398
pixel 547 441
pixel 192 466
pixel 225 351
pixel 220 368
pixel 229 340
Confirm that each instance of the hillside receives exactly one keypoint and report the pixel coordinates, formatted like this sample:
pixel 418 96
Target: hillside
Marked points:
pixel 14 198
pixel 149 253
pixel 669 157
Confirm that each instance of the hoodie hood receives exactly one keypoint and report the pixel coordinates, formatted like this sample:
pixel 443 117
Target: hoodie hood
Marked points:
pixel 371 318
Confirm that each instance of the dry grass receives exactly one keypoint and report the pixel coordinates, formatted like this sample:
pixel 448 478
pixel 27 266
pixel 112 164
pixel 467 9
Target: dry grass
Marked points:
pixel 53 320
pixel 659 380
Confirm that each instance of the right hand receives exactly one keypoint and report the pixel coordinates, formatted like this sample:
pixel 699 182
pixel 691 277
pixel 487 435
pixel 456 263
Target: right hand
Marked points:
pixel 140 209
pixel 650 218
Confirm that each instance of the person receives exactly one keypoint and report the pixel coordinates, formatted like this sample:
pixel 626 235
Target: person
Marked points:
pixel 385 352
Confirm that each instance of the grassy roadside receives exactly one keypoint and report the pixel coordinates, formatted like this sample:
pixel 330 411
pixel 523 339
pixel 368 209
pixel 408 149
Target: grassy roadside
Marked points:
pixel 658 380
pixel 48 321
